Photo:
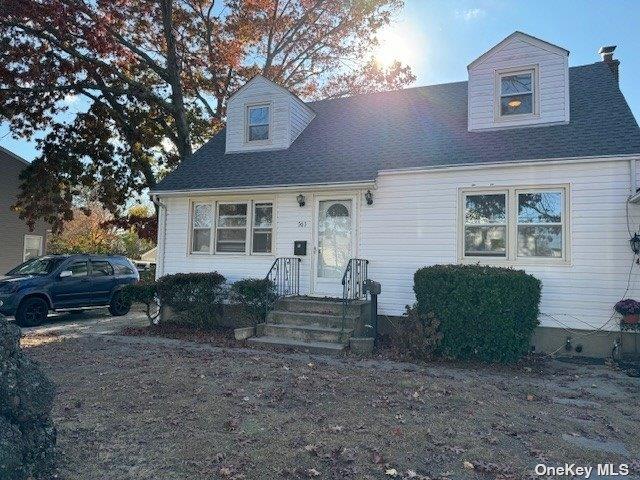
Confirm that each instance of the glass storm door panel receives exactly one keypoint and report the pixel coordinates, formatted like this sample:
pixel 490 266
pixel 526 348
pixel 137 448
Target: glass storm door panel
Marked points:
pixel 335 231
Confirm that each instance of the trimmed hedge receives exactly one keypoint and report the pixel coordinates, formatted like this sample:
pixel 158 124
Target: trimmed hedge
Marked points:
pixel 256 295
pixel 485 313
pixel 144 292
pixel 195 298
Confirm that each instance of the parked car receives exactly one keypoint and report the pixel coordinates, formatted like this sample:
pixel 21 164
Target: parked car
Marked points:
pixel 65 283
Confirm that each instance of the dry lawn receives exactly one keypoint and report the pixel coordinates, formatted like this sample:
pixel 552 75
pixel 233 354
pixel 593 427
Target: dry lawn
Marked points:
pixel 157 408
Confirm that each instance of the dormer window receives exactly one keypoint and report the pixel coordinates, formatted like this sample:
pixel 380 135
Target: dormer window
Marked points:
pixel 516 90
pixel 258 120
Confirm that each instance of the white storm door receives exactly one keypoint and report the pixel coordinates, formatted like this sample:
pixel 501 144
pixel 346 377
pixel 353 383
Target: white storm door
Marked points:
pixel 334 245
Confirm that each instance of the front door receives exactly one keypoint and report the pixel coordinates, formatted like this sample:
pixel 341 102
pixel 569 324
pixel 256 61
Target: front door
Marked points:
pixel 334 247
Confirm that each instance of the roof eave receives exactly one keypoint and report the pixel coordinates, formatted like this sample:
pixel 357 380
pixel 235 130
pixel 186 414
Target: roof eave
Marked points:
pixel 262 188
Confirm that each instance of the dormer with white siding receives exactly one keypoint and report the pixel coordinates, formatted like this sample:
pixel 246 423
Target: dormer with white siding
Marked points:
pixel 264 116
pixel 521 82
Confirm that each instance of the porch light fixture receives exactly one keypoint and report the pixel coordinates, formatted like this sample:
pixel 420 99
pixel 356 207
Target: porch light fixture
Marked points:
pixel 300 199
pixel 635 243
pixel 515 103
pixel 369 197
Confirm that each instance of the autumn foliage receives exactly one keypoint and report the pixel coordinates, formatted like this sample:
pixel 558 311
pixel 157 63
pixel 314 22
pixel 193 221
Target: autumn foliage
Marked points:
pixel 126 89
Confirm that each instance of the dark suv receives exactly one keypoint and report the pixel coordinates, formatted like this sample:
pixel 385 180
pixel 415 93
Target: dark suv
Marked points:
pixel 65 283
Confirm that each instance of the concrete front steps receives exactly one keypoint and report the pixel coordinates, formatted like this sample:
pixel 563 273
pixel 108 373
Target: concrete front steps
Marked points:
pixel 311 325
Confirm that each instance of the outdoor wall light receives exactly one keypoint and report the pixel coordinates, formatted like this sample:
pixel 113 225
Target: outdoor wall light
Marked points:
pixel 369 197
pixel 635 243
pixel 300 199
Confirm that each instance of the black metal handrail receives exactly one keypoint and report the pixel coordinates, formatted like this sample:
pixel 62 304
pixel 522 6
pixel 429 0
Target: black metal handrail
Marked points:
pixel 353 280
pixel 285 275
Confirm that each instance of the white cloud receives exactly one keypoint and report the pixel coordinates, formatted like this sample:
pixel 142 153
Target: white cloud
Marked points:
pixel 470 14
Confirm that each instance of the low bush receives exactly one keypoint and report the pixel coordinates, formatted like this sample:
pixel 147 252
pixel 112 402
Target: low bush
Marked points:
pixel 485 313
pixel 195 299
pixel 255 295
pixel 145 293
pixel 416 336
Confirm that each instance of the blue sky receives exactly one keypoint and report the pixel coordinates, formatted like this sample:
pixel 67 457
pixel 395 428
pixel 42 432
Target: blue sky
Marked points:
pixel 440 38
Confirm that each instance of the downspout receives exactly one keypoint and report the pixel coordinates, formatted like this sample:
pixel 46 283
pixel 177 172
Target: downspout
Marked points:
pixel 633 183
pixel 162 235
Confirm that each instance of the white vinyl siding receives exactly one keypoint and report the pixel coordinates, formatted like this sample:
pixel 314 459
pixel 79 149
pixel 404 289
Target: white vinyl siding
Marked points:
pixel 288 117
pixel 552 72
pixel 414 221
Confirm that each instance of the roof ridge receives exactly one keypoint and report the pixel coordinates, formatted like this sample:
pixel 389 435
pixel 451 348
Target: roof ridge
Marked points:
pixel 418 87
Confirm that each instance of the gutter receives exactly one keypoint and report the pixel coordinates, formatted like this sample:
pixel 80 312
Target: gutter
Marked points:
pixel 266 188
pixel 508 164
pixel 162 235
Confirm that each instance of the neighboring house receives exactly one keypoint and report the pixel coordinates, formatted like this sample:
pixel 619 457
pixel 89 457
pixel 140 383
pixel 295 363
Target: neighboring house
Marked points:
pixel 17 243
pixel 149 256
pixel 529 164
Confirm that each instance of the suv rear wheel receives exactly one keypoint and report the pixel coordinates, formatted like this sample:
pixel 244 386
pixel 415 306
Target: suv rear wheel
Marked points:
pixel 31 312
pixel 119 305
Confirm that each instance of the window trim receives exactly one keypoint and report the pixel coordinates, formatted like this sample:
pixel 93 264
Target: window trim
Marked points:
pixel 247 109
pixel 497 93
pixel 214 203
pixel 512 257
pixel 24 245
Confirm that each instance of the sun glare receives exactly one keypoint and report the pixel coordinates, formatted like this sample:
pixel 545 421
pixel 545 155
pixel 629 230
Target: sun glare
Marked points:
pixel 392 47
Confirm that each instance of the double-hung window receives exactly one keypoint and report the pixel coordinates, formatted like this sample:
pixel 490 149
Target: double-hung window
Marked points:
pixel 516 92
pixel 258 117
pixel 485 225
pixel 231 232
pixel 515 224
pixel 540 224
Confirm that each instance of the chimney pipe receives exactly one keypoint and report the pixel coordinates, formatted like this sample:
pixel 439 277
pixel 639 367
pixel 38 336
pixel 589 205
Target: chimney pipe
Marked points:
pixel 607 57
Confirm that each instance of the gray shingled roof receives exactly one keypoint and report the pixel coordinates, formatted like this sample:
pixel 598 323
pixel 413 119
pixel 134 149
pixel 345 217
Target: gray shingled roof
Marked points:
pixel 351 139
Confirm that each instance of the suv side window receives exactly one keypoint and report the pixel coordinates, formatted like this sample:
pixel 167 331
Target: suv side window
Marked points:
pixel 122 269
pixel 100 268
pixel 78 269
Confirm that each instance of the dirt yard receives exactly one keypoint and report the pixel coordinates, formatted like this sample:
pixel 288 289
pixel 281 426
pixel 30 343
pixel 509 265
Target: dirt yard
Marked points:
pixel 156 408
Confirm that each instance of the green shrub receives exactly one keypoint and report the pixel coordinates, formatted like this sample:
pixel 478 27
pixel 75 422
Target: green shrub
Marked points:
pixel 195 299
pixel 485 313
pixel 416 336
pixel 256 295
pixel 144 292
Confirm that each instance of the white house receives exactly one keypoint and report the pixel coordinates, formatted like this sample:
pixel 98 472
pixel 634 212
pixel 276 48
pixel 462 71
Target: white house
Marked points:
pixel 528 164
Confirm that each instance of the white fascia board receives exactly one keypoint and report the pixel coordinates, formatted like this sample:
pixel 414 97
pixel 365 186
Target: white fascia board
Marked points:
pixel 517 163
pixel 266 189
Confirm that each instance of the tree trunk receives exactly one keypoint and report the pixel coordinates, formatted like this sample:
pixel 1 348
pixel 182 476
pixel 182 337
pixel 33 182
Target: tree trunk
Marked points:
pixel 173 70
